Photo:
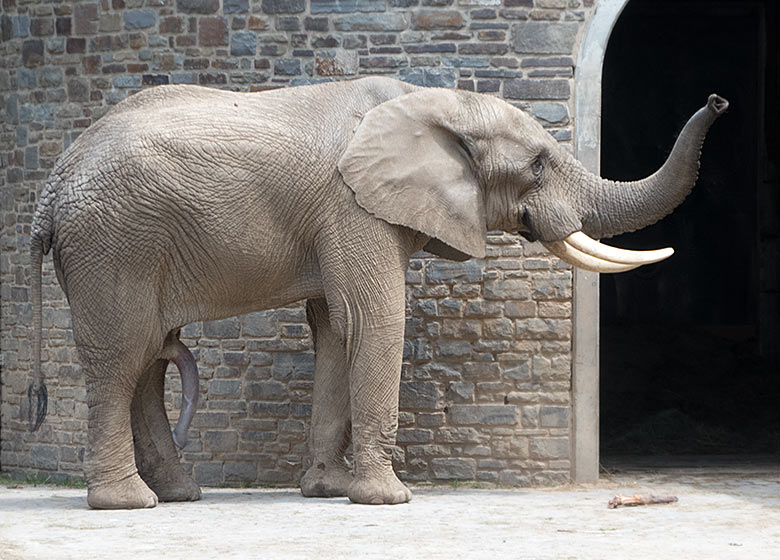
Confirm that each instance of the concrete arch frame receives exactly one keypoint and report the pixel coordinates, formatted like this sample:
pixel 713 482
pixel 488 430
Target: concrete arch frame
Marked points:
pixel 587 146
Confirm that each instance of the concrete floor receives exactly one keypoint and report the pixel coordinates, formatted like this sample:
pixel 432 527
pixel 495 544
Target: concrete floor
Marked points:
pixel 721 514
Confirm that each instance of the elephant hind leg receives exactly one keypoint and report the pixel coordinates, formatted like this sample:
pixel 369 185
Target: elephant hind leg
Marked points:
pixel 329 476
pixel 155 455
pixel 109 466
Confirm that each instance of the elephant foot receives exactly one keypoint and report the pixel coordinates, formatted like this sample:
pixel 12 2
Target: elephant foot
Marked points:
pixel 324 480
pixel 379 490
pixel 128 493
pixel 178 488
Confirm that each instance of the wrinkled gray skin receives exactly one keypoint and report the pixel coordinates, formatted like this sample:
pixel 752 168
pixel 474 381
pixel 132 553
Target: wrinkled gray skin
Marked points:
pixel 186 204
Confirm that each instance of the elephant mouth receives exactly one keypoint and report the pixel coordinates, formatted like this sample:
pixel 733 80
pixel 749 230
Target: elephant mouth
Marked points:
pixel 582 251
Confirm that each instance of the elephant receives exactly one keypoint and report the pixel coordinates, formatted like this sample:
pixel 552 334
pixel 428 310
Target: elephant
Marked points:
pixel 186 204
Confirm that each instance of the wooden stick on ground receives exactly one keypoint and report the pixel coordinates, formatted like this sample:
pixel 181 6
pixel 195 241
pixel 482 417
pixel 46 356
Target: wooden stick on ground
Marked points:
pixel 640 500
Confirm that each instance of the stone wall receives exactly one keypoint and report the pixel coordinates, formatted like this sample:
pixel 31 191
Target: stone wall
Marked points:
pixel 487 361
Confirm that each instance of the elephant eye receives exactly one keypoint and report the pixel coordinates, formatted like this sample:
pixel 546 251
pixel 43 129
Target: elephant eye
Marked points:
pixel 537 166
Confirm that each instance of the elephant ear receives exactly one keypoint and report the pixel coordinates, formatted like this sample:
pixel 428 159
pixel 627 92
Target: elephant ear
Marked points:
pixel 408 165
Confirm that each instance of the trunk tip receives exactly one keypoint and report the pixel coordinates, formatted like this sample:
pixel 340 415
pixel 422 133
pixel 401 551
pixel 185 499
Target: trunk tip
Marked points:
pixel 717 104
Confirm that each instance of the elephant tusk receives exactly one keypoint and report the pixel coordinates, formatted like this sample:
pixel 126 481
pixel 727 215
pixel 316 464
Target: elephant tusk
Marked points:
pixel 584 252
pixel 590 246
pixel 575 257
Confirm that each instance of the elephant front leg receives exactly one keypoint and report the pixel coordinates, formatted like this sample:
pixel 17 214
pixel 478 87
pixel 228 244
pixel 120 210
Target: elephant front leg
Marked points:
pixel 374 385
pixel 157 460
pixel 329 475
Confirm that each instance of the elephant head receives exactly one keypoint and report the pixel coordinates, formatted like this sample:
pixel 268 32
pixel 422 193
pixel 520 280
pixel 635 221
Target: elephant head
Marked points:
pixel 455 165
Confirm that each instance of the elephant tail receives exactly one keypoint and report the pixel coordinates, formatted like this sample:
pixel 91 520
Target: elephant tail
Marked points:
pixel 40 243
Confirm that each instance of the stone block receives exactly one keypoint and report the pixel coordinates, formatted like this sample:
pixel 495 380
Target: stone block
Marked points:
pixel 456 328
pixel 537 89
pixel 243 43
pixel 32 53
pixel 240 471
pixel 209 419
pixel 51 77
pixel 127 81
pixel 514 478
pixel 197 6
pixel 414 435
pixel 212 32
pixel 482 371
pixel 208 473
pixel 392 21
pixel 292 426
pixel 316 23
pixel 20 25
pixel 453 349
pixel 549 447
pixel 284 6
pixel 506 288
pixel 262 324
pixel 430 77
pixel 430 419
pixel 499 328
pixel 42 27
pixel 448 272
pixel 225 328
pixel 45 456
pixel 554 417
pixel 519 371
pixel 287 66
pixel 294 365
pixel 520 309
pixel 139 19
pixel 482 308
pixel 225 388
pixel 454 469
pixel 266 391
pixel 300 410
pixel 346 6
pixel 551 113
pixel 86 18
pixel 419 395
pixel 26 79
pixel 271 409
pixel 288 23
pixel 154 79
pixel 543 329
pixel 482 48
pixel 436 19
pixel 542 37
pixel 78 89
pixel 461 391
pixel 552 287
pixel 484 414
pixel 235 6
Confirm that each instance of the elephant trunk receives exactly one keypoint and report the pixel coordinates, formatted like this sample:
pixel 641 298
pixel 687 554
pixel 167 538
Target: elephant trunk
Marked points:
pixel 619 207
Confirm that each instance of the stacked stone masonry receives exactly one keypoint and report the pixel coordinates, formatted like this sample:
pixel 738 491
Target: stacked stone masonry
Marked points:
pixel 485 395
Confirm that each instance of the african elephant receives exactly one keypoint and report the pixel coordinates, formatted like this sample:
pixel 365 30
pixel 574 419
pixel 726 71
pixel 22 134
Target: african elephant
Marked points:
pixel 185 204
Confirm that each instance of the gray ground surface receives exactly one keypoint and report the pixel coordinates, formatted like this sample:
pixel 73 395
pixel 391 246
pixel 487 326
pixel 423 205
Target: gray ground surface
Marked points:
pixel 722 514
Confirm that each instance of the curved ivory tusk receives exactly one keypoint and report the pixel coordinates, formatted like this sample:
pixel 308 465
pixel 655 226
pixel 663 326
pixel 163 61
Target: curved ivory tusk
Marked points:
pixel 575 257
pixel 590 246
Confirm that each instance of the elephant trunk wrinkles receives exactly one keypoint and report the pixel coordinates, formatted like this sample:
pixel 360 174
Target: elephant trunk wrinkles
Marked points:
pixel 620 207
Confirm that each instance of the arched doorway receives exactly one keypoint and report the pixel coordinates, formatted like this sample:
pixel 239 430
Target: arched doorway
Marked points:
pixel 689 347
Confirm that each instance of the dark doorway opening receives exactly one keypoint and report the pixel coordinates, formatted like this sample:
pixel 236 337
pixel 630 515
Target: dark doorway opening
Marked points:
pixel 690 347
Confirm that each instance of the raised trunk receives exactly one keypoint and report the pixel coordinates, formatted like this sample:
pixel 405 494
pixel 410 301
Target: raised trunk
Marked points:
pixel 619 207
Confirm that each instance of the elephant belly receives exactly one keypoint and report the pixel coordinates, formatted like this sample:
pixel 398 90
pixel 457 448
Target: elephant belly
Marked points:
pixel 234 288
